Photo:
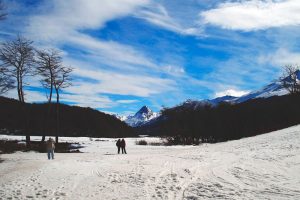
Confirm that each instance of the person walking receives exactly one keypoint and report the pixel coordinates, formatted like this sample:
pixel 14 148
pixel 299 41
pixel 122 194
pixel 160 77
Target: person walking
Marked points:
pixel 50 148
pixel 118 144
pixel 123 146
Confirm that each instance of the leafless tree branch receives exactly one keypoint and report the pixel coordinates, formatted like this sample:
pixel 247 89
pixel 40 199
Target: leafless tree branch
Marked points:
pixel 289 79
pixel 17 59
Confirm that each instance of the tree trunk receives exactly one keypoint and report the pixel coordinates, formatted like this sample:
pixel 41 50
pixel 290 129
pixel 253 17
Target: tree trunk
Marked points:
pixel 27 129
pixel 21 90
pixel 46 119
pixel 57 116
pixel 18 86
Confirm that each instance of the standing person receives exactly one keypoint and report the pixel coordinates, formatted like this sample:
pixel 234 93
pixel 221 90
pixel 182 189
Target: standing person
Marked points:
pixel 123 145
pixel 118 144
pixel 50 148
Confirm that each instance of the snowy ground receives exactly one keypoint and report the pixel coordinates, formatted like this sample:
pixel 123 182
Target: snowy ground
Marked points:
pixel 262 167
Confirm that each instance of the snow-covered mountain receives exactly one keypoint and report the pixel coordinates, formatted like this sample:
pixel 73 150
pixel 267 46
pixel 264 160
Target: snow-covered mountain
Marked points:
pixel 218 100
pixel 273 89
pixel 144 115
pixel 120 117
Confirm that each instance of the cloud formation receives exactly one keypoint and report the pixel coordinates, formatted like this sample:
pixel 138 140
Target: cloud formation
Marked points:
pixel 280 58
pixel 158 15
pixel 253 15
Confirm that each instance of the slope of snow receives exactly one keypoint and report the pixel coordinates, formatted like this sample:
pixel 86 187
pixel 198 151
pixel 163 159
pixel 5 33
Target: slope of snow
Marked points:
pixel 273 89
pixel 120 117
pixel 262 167
pixel 226 98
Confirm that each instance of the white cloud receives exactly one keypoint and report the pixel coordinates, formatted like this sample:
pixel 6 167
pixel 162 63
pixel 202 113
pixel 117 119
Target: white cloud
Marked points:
pixel 65 17
pixel 231 92
pixel 65 20
pixel 30 96
pixel 158 15
pixel 110 51
pixel 174 70
pixel 118 83
pixel 254 14
pixel 129 101
pixel 93 101
pixel 280 58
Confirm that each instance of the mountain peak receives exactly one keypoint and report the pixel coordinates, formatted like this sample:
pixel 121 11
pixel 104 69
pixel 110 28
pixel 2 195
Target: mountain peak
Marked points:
pixel 144 115
pixel 145 109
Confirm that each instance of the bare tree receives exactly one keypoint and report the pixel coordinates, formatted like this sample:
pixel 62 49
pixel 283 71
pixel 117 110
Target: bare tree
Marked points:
pixel 3 14
pixel 17 58
pixel 290 79
pixel 62 80
pixel 54 77
pixel 6 82
pixel 48 65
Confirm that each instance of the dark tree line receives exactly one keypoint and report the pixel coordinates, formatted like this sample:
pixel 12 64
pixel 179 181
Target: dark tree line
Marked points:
pixel 185 125
pixel 75 121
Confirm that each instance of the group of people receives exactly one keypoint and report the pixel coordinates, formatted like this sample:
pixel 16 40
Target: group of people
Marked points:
pixel 121 144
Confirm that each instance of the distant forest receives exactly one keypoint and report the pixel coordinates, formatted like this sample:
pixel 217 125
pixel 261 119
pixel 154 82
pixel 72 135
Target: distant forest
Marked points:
pixel 186 125
pixel 180 125
pixel 39 119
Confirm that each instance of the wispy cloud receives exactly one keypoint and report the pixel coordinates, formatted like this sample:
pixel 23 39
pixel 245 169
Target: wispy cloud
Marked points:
pixel 66 19
pixel 129 101
pixel 158 15
pixel 94 101
pixel 69 16
pixel 118 83
pixel 253 15
pixel 280 58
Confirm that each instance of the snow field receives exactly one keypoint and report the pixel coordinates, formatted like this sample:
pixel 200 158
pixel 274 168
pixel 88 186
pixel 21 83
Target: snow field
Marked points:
pixel 262 167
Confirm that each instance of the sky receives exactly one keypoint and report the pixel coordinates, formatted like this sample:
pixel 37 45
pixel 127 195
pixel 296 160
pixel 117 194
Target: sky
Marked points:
pixel 159 53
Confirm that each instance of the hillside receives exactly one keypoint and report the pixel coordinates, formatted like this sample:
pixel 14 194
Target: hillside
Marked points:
pixel 74 120
pixel 206 123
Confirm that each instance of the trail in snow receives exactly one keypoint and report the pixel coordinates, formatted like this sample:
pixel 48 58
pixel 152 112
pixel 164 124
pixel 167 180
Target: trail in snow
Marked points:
pixel 262 167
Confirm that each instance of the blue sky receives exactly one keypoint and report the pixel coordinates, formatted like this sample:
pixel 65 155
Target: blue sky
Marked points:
pixel 130 53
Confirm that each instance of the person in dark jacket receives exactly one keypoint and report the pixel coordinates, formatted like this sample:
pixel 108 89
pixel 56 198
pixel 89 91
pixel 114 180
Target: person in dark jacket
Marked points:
pixel 118 144
pixel 123 145
pixel 50 148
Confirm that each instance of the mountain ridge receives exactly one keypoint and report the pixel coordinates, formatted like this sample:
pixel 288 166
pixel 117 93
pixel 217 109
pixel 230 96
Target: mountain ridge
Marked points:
pixel 275 88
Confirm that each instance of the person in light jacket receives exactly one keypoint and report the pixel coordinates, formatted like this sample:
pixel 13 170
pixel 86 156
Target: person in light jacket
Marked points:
pixel 50 148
